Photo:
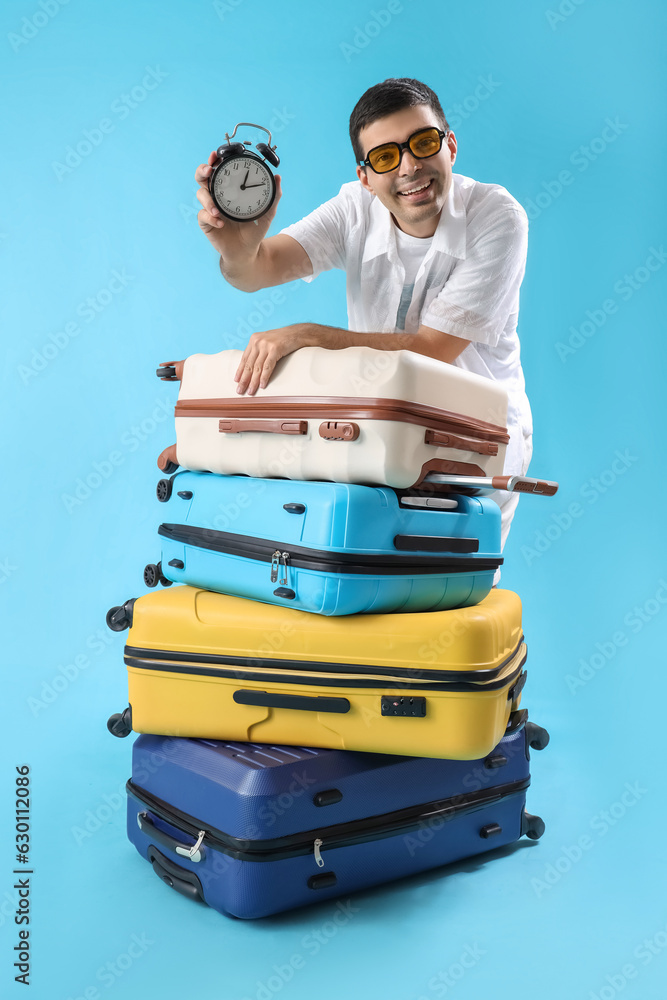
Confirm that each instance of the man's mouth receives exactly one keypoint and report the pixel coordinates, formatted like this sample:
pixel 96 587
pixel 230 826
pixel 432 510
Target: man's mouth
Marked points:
pixel 417 191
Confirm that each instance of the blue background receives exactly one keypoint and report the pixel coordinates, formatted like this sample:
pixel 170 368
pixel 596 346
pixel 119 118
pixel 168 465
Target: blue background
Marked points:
pixel 552 918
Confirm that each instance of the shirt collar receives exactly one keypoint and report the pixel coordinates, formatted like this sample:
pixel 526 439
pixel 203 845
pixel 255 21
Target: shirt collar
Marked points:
pixel 449 237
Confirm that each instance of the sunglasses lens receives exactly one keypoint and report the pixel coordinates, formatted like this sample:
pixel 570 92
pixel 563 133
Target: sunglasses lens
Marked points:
pixel 425 143
pixel 384 158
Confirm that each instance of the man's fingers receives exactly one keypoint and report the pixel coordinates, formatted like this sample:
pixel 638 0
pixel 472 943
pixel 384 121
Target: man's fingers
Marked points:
pixel 242 364
pixel 267 370
pixel 246 369
pixel 207 203
pixel 204 170
pixel 256 375
pixel 209 223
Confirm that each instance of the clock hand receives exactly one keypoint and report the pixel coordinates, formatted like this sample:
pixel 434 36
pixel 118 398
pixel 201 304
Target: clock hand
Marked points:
pixel 245 179
pixel 261 184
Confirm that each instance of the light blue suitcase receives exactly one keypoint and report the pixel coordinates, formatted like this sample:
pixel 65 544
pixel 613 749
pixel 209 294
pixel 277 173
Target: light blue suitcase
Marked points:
pixel 326 548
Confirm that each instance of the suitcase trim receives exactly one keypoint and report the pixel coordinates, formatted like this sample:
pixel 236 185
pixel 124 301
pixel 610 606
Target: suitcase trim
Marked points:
pixel 339 835
pixel 451 680
pixel 348 408
pixel 324 560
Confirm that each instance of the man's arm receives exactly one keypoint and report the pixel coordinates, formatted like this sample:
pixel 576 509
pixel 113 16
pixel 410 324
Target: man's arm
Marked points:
pixel 264 350
pixel 278 259
pixel 248 261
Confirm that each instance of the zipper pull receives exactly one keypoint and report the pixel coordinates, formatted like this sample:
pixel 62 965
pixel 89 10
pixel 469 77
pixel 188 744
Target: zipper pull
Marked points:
pixel 274 566
pixel 319 860
pixel 284 557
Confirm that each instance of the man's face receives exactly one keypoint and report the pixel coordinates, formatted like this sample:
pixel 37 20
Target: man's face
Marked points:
pixel 417 213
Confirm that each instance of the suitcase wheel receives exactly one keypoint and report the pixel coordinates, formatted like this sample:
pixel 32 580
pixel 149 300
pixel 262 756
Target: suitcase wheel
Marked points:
pixel 163 490
pixel 120 724
pixel 120 617
pixel 532 826
pixel 153 575
pixel 536 737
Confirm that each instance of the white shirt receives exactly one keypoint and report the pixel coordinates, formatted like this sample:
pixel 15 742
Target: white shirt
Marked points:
pixel 467 284
pixel 411 252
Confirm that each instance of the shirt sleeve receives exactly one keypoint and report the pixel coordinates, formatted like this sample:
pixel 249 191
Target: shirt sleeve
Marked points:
pixel 323 233
pixel 483 289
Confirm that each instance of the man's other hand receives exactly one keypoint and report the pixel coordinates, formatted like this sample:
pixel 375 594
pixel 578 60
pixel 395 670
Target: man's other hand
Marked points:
pixel 263 352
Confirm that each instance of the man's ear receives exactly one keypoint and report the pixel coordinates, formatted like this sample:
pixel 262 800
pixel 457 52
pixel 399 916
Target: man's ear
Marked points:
pixel 451 145
pixel 363 177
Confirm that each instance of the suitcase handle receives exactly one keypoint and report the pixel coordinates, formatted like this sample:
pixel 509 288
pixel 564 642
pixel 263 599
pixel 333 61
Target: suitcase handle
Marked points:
pixel 435 543
pixel 511 484
pixel 446 439
pixel 300 702
pixel 170 371
pixel 523 484
pixel 268 425
pixel 193 852
pixel 175 876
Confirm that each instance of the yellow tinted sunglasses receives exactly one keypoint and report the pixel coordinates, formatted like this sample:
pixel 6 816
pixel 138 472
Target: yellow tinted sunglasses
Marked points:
pixel 423 143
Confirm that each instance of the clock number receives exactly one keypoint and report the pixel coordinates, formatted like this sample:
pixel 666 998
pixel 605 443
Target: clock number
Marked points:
pixel 226 172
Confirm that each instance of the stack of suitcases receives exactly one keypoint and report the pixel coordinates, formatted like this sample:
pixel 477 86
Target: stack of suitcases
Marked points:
pixel 330 697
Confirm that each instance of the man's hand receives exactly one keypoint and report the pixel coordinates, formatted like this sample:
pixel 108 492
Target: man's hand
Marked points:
pixel 263 352
pixel 236 242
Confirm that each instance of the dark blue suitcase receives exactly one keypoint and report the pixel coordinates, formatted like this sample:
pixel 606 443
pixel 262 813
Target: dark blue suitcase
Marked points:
pixel 327 548
pixel 253 829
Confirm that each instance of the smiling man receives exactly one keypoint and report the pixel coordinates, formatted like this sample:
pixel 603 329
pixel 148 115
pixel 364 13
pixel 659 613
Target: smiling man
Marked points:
pixel 434 260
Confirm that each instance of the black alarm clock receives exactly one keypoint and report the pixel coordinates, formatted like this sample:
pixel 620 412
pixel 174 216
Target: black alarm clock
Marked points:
pixel 242 185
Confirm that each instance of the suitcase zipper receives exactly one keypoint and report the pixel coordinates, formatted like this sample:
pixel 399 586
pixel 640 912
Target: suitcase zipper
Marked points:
pixel 277 558
pixel 341 835
pixel 347 408
pixel 321 560
pixel 171 661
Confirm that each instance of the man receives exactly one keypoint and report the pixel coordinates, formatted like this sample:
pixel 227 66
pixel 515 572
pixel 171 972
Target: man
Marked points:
pixel 434 260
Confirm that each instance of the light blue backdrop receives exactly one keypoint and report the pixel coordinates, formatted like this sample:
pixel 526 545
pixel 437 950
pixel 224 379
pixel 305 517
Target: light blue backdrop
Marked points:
pixel 108 109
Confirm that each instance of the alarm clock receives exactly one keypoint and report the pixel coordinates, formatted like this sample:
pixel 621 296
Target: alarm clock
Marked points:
pixel 242 185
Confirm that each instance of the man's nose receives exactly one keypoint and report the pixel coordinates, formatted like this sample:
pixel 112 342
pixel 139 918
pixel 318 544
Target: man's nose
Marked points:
pixel 409 163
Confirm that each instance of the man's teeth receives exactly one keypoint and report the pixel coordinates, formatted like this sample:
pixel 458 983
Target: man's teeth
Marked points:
pixel 414 190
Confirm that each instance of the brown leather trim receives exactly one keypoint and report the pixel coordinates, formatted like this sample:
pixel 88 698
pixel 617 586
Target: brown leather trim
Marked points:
pixel 343 408
pixel 445 468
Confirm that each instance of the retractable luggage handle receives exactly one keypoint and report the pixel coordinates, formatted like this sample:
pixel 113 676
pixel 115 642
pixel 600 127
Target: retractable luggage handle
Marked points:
pixel 510 484
pixel 194 852
pixel 299 702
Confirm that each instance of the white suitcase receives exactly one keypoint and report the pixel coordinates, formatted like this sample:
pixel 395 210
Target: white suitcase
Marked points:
pixel 352 416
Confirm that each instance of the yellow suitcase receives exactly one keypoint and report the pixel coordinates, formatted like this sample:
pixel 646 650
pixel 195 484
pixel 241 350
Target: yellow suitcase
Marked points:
pixel 430 684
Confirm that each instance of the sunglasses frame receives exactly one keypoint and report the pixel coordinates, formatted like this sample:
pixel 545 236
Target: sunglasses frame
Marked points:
pixel 405 145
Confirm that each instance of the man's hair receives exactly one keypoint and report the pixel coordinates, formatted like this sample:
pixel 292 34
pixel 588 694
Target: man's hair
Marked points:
pixel 384 99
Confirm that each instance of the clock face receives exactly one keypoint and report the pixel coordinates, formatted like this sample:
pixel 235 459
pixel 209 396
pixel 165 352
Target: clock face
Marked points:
pixel 243 188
